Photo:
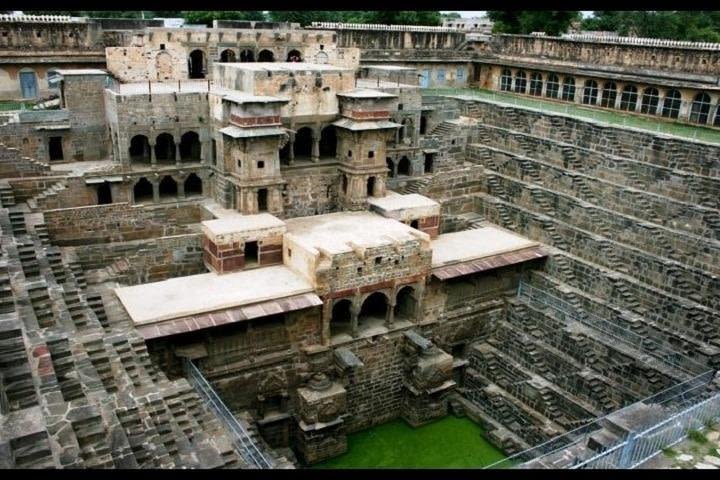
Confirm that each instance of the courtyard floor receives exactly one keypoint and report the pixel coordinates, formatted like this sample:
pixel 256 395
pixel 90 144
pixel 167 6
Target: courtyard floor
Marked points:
pixel 654 124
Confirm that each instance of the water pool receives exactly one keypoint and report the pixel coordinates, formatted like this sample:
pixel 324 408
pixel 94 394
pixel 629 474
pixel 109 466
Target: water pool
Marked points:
pixel 447 443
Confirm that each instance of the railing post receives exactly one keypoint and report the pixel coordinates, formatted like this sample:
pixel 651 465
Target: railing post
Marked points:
pixel 626 455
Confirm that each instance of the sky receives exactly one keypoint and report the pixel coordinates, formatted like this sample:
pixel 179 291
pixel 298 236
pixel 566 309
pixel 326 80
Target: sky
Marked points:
pixel 480 13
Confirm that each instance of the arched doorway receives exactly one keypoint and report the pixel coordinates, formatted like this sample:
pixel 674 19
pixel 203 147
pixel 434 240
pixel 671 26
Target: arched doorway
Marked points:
pixel 193 185
pixel 609 95
pixel 143 191
pixel 553 86
pixel 165 148
pixel 590 92
pixel 671 104
pixel 370 187
pixel 294 56
pixel 405 304
pixel 262 199
pixel 391 167
pixel 227 56
pixel 28 84
pixel 163 66
pixel 700 108
pixel 506 80
pixel 568 89
pixel 190 147
pixel 628 99
pixel 104 193
pixel 373 311
pixel 536 84
pixel 650 101
pixel 341 320
pixel 266 56
pixel 404 167
pixel 247 56
pixel 302 147
pixel 423 124
pixel 197 64
pixel 520 82
pixel 168 188
pixel 328 142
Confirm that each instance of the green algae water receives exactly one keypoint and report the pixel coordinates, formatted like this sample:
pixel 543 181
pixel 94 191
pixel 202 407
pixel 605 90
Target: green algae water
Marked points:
pixel 447 443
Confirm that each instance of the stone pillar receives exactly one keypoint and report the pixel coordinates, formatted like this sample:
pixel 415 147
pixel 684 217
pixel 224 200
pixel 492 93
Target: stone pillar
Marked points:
pixel 177 153
pixel 390 314
pixel 156 192
pixel 291 152
pixel 181 190
pixel 203 152
pixel 325 319
pixel 153 157
pixel 684 108
pixel 543 89
pixel 354 311
pixel 419 290
pixel 618 96
pixel 315 155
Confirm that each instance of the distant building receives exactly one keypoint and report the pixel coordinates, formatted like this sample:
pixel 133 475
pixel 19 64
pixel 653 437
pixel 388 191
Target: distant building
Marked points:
pixel 475 24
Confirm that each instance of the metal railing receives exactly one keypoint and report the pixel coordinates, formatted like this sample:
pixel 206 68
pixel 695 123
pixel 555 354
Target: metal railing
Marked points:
pixel 684 397
pixel 612 329
pixel 638 448
pixel 242 439
pixel 681 397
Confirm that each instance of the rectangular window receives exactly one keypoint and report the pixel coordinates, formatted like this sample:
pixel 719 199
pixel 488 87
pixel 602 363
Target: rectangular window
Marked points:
pixel 460 73
pixel 371 154
pixel 441 75
pixel 261 164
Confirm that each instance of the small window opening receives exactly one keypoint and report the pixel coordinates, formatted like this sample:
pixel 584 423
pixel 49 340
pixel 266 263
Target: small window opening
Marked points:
pixel 378 260
pixel 349 153
pixel 371 154
pixel 162 46
pixel 261 164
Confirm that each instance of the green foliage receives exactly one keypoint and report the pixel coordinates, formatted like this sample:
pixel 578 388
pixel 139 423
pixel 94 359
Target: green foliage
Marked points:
pixel 206 17
pixel 306 17
pixel 450 16
pixel 696 26
pixel 669 452
pixel 552 22
pixel 697 436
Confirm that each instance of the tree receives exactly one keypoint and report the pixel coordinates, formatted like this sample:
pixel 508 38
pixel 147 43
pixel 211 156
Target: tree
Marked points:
pixel 552 22
pixel 306 17
pixel 700 26
pixel 206 17
pixel 450 16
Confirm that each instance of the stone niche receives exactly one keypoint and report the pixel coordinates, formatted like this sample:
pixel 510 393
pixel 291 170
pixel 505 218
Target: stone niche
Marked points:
pixel 242 242
pixel 414 210
pixel 428 380
pixel 320 424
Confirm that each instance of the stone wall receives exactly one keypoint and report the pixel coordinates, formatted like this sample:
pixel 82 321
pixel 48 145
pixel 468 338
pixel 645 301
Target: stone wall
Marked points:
pixel 656 149
pixel 685 60
pixel 119 222
pixel 310 191
pixel 143 261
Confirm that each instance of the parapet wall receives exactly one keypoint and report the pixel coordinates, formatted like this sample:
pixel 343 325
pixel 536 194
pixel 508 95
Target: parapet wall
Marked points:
pixel 119 222
pixel 667 58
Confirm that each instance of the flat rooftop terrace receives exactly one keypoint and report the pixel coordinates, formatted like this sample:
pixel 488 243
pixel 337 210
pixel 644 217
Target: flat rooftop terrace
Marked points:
pixel 484 248
pixel 337 232
pixel 209 292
